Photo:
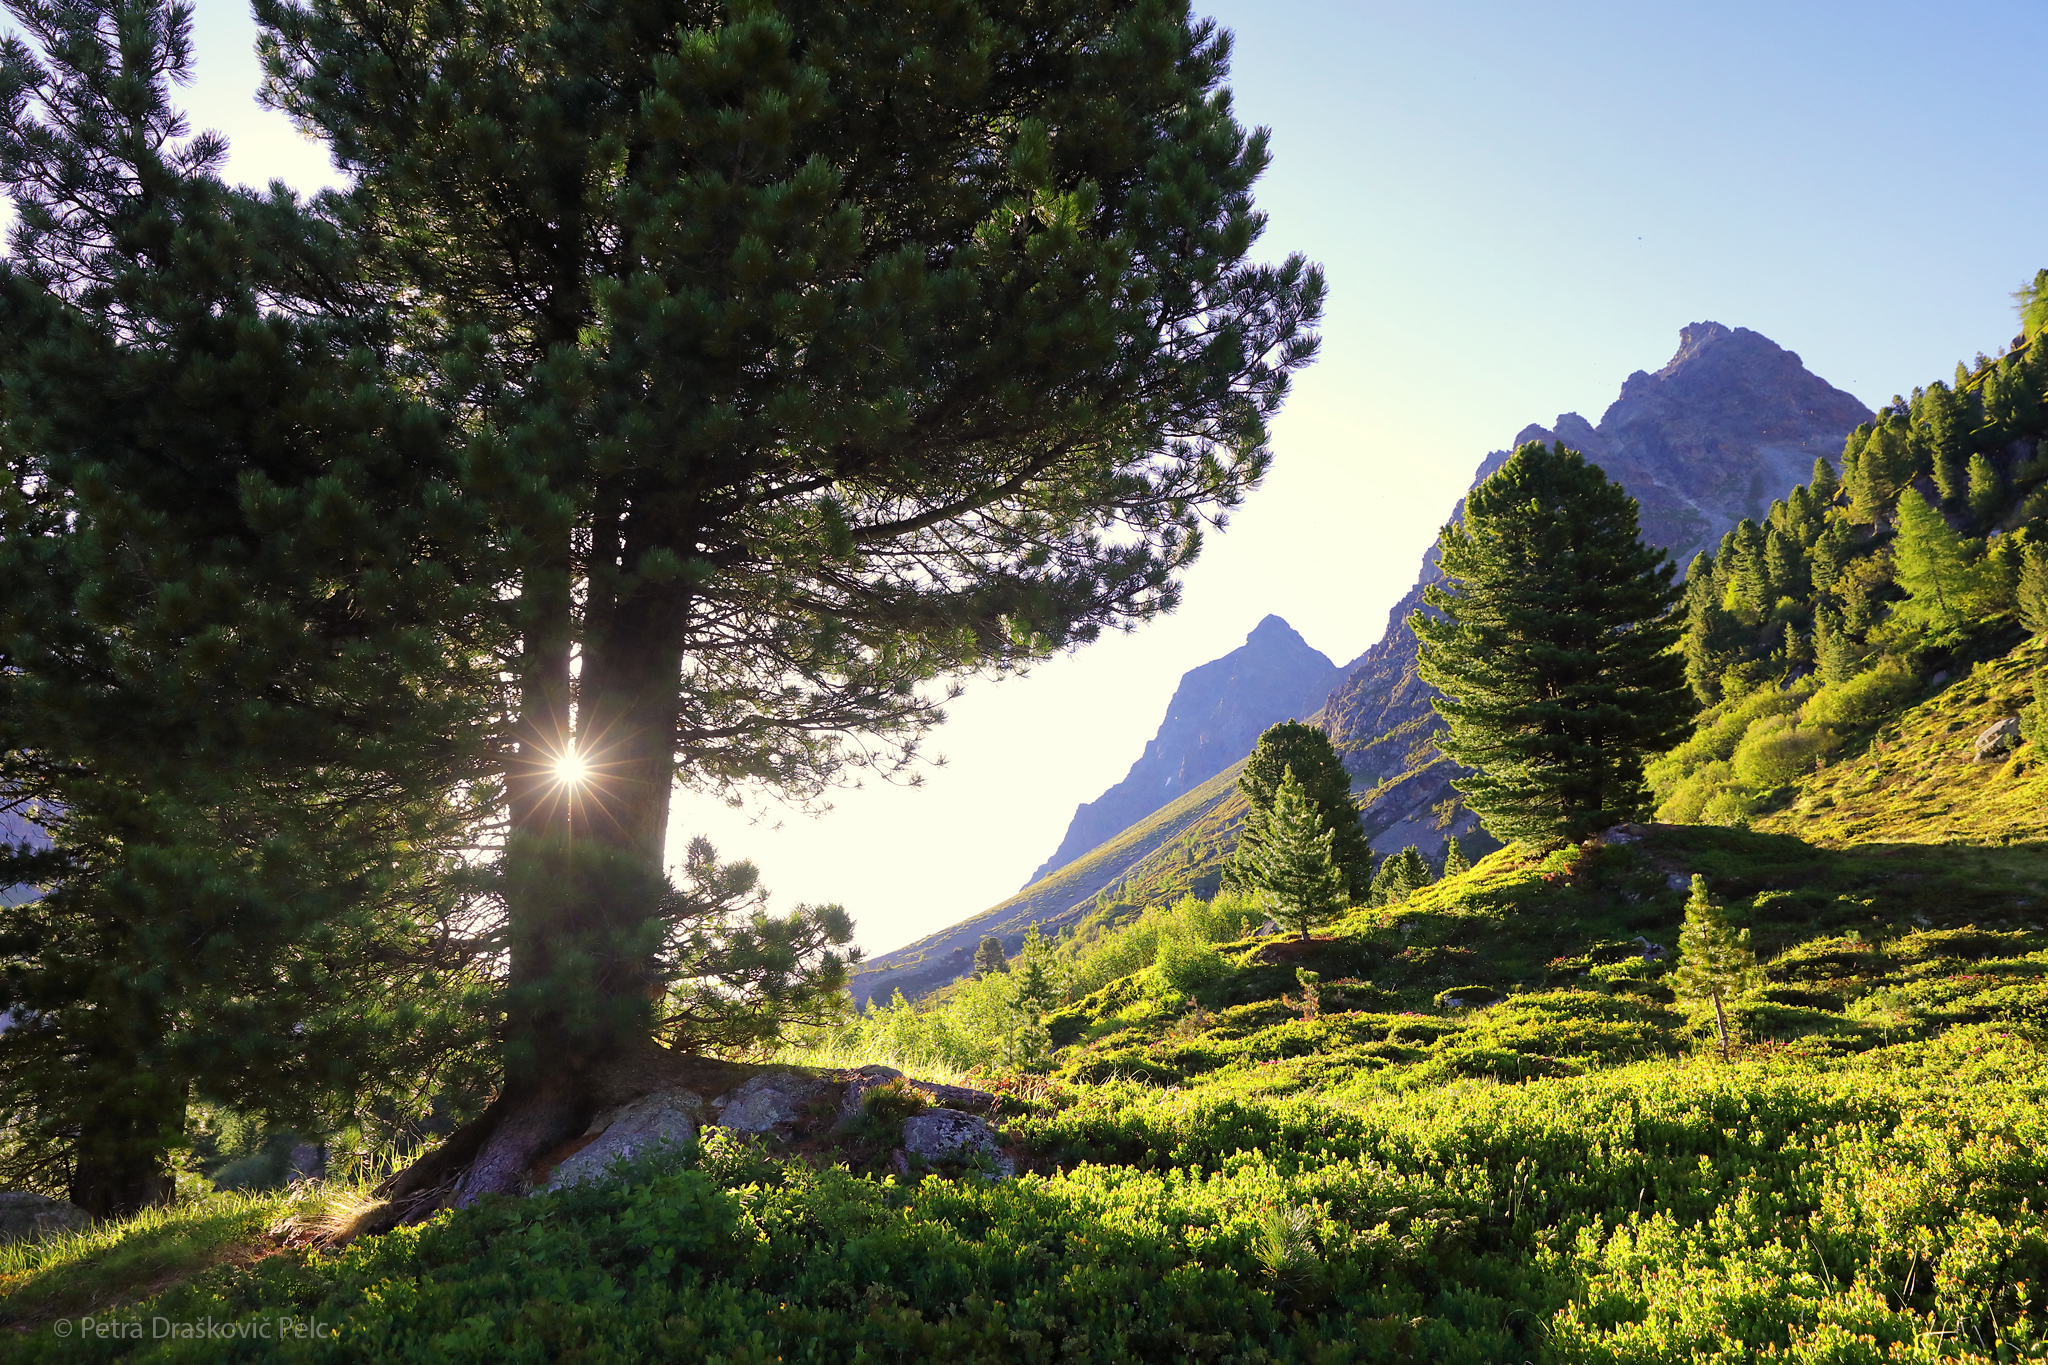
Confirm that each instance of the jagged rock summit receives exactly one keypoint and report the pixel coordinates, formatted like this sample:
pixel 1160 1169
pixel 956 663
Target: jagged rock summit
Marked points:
pixel 1216 715
pixel 1731 423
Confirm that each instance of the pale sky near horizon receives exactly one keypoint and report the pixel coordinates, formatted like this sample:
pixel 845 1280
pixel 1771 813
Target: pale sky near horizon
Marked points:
pixel 1517 205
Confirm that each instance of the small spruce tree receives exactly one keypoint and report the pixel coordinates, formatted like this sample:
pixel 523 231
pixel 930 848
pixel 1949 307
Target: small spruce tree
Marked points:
pixel 1455 861
pixel 1293 868
pixel 1400 877
pixel 1307 752
pixel 1987 489
pixel 1714 958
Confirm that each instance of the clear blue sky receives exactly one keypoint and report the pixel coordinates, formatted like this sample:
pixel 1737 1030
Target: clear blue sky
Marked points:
pixel 1517 205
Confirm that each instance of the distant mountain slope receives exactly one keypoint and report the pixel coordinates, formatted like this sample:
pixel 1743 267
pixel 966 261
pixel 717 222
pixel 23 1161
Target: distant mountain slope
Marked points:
pixel 1731 423
pixel 1186 836
pixel 1216 715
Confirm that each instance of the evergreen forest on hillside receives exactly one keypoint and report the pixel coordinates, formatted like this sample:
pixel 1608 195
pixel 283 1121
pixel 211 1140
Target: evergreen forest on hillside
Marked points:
pixel 332 1000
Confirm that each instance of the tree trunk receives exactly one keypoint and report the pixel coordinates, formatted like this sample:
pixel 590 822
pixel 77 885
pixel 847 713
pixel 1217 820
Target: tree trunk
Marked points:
pixel 585 877
pixel 121 1166
pixel 1721 1025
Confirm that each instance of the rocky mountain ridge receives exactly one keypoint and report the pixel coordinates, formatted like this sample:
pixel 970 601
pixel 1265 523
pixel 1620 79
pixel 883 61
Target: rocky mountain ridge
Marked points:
pixel 1217 713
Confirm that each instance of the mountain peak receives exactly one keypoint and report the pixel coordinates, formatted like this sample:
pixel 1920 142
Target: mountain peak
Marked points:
pixel 1274 630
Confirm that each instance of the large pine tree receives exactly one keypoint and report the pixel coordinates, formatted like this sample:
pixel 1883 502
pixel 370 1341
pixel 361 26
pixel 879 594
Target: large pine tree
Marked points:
pixel 1550 642
pixel 807 356
pixel 236 692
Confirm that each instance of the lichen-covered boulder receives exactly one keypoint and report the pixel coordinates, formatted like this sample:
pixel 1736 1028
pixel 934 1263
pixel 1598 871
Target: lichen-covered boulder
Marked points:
pixel 1999 738
pixel 26 1217
pixel 858 1083
pixel 941 1136
pixel 666 1118
pixel 770 1101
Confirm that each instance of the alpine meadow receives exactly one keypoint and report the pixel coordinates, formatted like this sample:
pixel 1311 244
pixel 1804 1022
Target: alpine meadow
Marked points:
pixel 1639 954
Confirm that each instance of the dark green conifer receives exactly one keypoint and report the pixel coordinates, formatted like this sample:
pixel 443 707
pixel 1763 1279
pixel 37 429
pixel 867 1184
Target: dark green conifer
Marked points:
pixel 236 686
pixel 1824 482
pixel 1400 876
pixel 1454 858
pixel 1305 751
pixel 1552 649
pixel 1987 490
pixel 806 369
pixel 1293 869
pixel 2033 589
pixel 989 957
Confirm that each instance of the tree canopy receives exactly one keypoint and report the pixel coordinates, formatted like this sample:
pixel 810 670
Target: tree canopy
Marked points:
pixel 1549 642
pixel 702 388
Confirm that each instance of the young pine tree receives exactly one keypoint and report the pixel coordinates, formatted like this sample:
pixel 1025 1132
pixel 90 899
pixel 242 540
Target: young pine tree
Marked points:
pixel 1292 747
pixel 1714 959
pixel 1931 563
pixel 1400 876
pixel 2033 589
pixel 1550 646
pixel 1293 868
pixel 1454 858
pixel 1987 490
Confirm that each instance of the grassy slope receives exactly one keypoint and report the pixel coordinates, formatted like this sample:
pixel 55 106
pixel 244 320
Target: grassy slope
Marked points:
pixel 1918 782
pixel 1566 1174
pixel 1151 855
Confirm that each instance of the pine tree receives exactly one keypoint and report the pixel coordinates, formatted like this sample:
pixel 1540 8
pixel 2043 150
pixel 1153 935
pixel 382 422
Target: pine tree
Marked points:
pixel 1305 751
pixel 1931 562
pixel 2032 302
pixel 1884 467
pixel 1712 638
pixel 1400 876
pixel 1714 959
pixel 1987 490
pixel 1454 858
pixel 1551 651
pixel 232 689
pixel 1824 482
pixel 807 373
pixel 2033 589
pixel 989 957
pixel 1293 869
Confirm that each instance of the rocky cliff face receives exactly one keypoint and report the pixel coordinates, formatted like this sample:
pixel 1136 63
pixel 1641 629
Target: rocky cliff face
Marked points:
pixel 1733 422
pixel 1216 715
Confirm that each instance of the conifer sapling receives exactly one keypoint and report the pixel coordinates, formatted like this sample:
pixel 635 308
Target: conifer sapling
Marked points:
pixel 1714 958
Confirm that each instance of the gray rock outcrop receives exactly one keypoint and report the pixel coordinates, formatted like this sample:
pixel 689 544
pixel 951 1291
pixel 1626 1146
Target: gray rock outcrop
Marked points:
pixel 940 1136
pixel 26 1217
pixel 775 1099
pixel 666 1118
pixel 1998 738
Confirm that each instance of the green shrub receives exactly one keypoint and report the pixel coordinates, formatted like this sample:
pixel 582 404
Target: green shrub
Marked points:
pixel 1777 750
pixel 1864 699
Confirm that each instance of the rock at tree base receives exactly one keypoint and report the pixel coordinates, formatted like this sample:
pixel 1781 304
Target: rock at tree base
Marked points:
pixel 664 1118
pixel 946 1136
pixel 26 1217
pixel 768 1102
pixel 857 1086
pixel 1998 739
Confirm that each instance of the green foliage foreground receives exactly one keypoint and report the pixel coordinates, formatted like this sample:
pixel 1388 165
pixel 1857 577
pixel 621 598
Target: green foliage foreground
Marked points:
pixel 1776 1209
